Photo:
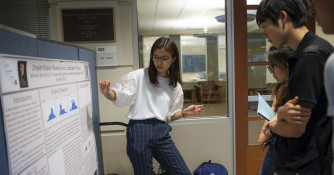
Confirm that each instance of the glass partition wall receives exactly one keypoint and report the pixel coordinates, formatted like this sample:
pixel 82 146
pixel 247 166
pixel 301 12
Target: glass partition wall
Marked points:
pixel 198 28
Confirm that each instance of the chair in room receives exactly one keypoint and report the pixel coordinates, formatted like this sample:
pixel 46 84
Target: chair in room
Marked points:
pixel 263 91
pixel 208 91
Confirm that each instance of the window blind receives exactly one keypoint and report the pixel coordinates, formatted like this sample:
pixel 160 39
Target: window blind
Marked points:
pixel 31 16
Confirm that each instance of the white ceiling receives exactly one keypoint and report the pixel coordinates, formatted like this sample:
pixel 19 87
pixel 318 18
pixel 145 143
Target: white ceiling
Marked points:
pixel 166 17
pixel 179 16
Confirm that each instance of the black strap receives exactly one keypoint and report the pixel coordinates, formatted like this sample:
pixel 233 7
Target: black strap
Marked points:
pixel 113 123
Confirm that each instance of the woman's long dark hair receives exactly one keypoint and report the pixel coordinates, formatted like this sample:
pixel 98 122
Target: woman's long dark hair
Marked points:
pixel 280 56
pixel 174 70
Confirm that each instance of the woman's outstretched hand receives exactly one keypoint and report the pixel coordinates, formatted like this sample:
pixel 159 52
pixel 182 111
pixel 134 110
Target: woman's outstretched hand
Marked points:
pixel 105 90
pixel 104 87
pixel 193 109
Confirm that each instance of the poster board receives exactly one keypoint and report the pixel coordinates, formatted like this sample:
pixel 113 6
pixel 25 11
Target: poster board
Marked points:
pixel 47 116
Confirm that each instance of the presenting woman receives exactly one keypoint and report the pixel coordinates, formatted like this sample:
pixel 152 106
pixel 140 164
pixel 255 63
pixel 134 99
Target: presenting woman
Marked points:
pixel 156 98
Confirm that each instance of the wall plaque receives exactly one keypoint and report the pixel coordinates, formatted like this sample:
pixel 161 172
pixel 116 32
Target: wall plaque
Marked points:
pixel 88 25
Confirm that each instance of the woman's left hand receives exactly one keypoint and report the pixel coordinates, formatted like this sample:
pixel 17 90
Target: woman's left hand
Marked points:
pixel 193 109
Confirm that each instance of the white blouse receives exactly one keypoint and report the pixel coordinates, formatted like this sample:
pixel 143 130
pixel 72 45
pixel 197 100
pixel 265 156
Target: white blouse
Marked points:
pixel 146 100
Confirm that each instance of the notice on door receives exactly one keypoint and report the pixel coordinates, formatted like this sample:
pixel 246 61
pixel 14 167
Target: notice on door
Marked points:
pixel 47 113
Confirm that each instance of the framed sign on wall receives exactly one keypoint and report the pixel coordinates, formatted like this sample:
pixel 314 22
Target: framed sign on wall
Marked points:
pixel 88 25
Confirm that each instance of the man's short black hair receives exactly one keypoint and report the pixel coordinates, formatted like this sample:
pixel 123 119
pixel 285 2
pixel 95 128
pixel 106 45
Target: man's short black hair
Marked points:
pixel 270 9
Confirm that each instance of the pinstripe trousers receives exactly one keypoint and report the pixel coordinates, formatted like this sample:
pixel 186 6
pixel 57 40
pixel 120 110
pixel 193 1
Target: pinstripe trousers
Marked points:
pixel 150 138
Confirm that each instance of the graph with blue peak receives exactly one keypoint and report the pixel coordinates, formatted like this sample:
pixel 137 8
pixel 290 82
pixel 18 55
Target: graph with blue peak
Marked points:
pixel 60 108
pixel 74 106
pixel 52 115
pixel 61 111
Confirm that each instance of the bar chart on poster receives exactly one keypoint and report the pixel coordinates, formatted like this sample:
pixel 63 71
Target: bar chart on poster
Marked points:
pixel 47 116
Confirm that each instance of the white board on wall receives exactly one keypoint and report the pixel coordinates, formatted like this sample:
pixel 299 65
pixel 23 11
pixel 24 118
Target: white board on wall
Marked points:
pixel 47 113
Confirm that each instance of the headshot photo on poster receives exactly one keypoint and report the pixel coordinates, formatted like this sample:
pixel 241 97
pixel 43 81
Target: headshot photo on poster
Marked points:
pixel 22 74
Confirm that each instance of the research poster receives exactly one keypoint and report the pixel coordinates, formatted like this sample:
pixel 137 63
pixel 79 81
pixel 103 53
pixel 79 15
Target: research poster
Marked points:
pixel 47 113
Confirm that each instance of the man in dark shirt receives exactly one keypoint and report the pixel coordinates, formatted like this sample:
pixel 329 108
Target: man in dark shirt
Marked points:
pixel 304 131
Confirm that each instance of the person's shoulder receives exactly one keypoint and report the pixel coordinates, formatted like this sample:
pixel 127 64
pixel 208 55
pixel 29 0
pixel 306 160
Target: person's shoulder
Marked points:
pixel 330 63
pixel 321 43
pixel 178 87
pixel 319 46
pixel 141 70
pixel 135 74
pixel 138 72
pixel 331 59
pixel 322 50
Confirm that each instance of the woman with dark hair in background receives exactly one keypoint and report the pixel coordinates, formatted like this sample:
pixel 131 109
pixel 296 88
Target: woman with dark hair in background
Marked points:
pixel 279 68
pixel 156 98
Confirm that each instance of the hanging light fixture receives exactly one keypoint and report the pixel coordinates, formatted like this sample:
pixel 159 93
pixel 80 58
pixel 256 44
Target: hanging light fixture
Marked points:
pixel 221 18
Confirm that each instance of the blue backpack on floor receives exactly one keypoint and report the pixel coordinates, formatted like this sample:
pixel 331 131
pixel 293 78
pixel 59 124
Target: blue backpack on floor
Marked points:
pixel 208 168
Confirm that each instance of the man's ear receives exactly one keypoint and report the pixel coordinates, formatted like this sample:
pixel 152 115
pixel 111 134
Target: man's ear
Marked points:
pixel 283 16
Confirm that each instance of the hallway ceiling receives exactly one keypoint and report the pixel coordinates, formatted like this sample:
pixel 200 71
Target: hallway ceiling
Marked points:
pixel 166 17
pixel 179 16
